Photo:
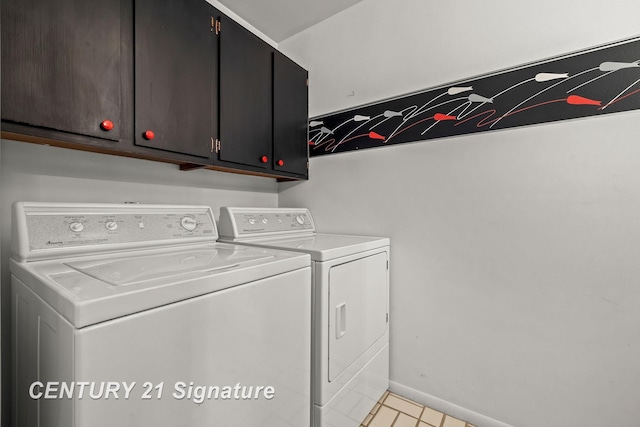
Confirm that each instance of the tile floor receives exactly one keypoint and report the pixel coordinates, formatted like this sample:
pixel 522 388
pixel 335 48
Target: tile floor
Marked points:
pixel 396 411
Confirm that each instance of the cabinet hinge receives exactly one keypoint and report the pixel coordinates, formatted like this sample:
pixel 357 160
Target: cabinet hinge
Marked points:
pixel 307 164
pixel 215 147
pixel 216 25
pixel 307 82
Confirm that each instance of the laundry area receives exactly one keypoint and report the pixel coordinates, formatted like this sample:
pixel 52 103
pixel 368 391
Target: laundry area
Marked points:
pixel 393 215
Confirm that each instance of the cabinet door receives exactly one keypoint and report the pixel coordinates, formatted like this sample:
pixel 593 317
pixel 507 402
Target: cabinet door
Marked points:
pixel 61 65
pixel 290 116
pixel 245 97
pixel 175 76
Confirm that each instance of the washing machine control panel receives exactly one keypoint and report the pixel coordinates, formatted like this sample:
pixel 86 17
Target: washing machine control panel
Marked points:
pixel 240 223
pixel 70 226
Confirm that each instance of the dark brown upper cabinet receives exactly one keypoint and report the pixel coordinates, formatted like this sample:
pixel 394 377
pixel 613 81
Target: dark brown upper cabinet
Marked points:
pixel 263 106
pixel 245 98
pixel 176 63
pixel 168 80
pixel 63 67
pixel 290 116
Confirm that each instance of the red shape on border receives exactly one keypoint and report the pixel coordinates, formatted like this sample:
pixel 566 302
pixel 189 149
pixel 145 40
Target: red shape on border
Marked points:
pixel 580 100
pixel 374 135
pixel 440 117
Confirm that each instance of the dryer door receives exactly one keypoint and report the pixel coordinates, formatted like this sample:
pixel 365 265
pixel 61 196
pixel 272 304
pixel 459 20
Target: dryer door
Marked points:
pixel 357 309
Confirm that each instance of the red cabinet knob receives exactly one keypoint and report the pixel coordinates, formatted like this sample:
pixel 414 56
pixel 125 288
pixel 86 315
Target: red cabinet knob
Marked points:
pixel 106 125
pixel 280 162
pixel 149 134
pixel 264 159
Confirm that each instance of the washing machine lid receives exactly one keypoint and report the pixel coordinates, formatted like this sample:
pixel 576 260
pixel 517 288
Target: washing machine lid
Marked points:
pixel 129 270
pixel 93 289
pixel 322 246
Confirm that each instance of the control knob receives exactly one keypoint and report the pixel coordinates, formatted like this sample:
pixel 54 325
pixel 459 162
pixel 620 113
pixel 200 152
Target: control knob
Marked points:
pixel 111 225
pixel 76 227
pixel 188 223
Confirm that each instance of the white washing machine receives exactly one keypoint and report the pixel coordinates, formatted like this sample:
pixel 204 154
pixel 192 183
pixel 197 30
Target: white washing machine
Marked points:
pixel 350 336
pixel 133 316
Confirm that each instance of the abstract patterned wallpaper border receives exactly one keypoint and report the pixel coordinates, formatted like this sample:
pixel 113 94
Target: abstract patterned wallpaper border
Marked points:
pixel 600 80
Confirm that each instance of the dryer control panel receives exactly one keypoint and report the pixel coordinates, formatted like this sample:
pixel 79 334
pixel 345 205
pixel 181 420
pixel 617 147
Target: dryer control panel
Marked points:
pixel 45 230
pixel 244 223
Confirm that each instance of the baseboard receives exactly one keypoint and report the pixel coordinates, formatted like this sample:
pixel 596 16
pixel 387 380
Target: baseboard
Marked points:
pixel 452 409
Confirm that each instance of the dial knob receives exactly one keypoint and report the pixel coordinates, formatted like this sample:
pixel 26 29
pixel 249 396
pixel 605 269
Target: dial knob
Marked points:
pixel 300 219
pixel 252 221
pixel 264 220
pixel 111 225
pixel 76 227
pixel 188 223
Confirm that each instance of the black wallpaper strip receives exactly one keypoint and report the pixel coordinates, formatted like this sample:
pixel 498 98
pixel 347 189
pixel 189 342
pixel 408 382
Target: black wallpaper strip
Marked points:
pixel 582 84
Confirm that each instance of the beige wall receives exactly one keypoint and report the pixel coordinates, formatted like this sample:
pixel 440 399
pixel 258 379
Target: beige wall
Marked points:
pixel 514 273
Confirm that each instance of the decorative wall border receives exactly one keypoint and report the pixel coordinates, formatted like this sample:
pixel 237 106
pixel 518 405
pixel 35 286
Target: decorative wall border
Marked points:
pixel 600 80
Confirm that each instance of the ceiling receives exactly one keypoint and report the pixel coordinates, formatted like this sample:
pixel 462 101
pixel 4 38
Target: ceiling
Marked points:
pixel 281 19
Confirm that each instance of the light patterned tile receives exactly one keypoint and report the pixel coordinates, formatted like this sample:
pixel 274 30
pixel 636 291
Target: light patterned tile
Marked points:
pixel 449 421
pixel 405 420
pixel 384 418
pixel 432 417
pixel 367 420
pixel 402 405
pixel 396 411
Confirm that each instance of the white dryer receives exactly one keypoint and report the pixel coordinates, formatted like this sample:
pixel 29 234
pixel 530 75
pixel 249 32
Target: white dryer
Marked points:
pixel 350 277
pixel 133 316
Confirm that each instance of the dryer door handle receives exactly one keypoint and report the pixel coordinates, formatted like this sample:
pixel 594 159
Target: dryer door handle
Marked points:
pixel 341 320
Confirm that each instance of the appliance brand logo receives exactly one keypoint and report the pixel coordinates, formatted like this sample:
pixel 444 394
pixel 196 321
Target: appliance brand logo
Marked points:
pixel 54 243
